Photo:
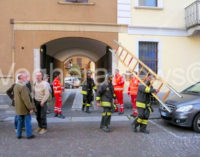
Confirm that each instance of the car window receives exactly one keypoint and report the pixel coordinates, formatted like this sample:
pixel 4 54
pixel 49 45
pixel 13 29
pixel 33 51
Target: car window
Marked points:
pixel 193 89
pixel 76 79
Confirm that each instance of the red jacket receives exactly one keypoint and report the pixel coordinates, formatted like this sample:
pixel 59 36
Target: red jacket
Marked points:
pixel 57 88
pixel 118 82
pixel 133 86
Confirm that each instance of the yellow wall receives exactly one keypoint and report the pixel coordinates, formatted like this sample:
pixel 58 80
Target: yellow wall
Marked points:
pixel 178 56
pixel 172 15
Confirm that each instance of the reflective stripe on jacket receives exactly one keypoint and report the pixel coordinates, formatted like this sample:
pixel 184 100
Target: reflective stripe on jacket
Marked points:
pixel 105 94
pixel 143 95
pixel 133 86
pixel 57 88
pixel 118 82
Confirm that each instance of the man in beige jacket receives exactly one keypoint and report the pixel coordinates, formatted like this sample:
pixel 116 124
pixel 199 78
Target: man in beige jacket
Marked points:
pixel 23 106
pixel 41 95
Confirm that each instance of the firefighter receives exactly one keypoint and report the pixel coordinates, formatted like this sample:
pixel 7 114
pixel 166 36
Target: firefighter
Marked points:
pixel 143 106
pixel 132 92
pixel 87 91
pixel 104 98
pixel 57 88
pixel 118 83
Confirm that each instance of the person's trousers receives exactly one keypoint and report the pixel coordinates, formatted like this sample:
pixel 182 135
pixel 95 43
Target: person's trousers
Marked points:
pixel 120 100
pixel 133 101
pixel 26 119
pixel 16 121
pixel 41 114
pixel 142 119
pixel 58 103
pixel 106 117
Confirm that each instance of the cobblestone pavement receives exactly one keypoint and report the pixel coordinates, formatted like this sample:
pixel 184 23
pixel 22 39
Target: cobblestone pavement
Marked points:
pixel 78 135
pixel 85 139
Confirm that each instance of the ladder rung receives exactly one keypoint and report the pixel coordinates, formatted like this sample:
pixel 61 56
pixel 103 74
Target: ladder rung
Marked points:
pixel 140 71
pixel 160 86
pixel 152 81
pixel 135 66
pixel 166 95
pixel 130 61
pixel 125 57
pixel 117 50
pixel 121 52
pixel 146 75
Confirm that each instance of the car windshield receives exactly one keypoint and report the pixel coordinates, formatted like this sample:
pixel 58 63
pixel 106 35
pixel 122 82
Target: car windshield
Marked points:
pixel 195 89
pixel 76 79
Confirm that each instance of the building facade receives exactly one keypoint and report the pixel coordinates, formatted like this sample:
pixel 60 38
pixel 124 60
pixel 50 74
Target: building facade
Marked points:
pixel 43 34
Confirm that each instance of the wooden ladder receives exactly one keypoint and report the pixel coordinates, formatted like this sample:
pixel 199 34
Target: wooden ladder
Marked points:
pixel 131 63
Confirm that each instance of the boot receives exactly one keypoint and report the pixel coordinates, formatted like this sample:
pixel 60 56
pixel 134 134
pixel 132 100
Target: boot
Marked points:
pixel 134 125
pixel 56 114
pixel 106 129
pixel 144 131
pixel 83 108
pixel 102 122
pixel 87 109
pixel 61 116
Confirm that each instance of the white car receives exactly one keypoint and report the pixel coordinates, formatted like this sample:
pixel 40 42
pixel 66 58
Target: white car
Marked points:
pixel 72 82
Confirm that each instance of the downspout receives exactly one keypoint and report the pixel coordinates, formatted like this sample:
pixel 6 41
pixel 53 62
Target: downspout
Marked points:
pixel 13 49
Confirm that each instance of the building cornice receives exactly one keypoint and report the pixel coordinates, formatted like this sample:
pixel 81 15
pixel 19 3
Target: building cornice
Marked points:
pixel 158 31
pixel 70 26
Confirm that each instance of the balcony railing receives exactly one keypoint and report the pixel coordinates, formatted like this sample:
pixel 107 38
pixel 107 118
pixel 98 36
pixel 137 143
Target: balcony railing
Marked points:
pixel 192 15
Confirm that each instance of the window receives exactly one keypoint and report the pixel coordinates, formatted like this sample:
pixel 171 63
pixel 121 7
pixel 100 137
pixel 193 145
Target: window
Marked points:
pixel 77 1
pixel 153 4
pixel 148 54
pixel 79 62
pixel 150 3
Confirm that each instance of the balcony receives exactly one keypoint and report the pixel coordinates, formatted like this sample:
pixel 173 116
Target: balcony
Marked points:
pixel 192 17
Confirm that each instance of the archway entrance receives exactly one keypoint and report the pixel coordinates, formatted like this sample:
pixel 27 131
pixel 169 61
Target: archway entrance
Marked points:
pixel 84 53
pixel 55 53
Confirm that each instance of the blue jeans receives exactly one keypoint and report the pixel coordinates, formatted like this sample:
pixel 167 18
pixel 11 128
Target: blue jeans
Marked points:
pixel 16 120
pixel 26 119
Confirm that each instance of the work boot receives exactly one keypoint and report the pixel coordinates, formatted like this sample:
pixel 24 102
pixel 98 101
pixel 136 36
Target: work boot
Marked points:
pixel 106 129
pixel 134 125
pixel 61 116
pixel 55 114
pixel 144 131
pixel 83 108
pixel 87 109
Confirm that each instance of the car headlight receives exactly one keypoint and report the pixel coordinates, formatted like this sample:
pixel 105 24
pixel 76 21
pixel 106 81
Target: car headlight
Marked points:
pixel 184 108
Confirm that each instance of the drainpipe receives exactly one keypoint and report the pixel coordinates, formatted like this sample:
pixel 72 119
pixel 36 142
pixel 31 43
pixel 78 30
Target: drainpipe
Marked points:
pixel 13 49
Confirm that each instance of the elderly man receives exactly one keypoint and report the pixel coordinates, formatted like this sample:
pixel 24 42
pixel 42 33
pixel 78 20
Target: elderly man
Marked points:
pixel 23 106
pixel 41 94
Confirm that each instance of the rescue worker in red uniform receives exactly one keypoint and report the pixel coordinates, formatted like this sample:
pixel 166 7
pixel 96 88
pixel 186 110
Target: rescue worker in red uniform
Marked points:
pixel 57 88
pixel 143 106
pixel 118 83
pixel 132 91
pixel 104 98
pixel 87 91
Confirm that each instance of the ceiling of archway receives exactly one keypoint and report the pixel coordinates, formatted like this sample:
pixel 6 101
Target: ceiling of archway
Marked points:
pixel 65 48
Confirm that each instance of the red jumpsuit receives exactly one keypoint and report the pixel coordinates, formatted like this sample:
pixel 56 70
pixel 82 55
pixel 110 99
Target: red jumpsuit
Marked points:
pixel 57 93
pixel 118 90
pixel 132 91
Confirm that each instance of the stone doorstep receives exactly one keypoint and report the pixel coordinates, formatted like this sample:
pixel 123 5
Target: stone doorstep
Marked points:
pixel 4 107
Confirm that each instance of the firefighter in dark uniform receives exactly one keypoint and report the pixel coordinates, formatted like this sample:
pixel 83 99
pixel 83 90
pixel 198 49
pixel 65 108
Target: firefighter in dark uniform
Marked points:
pixel 87 91
pixel 143 106
pixel 104 98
